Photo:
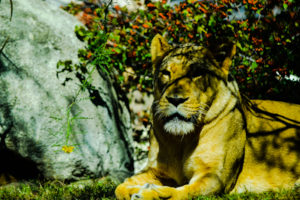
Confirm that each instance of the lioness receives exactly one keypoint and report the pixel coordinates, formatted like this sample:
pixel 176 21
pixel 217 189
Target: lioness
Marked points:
pixel 205 138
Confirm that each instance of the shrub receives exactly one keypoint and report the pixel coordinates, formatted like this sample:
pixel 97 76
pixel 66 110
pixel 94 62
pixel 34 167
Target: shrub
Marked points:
pixel 267 41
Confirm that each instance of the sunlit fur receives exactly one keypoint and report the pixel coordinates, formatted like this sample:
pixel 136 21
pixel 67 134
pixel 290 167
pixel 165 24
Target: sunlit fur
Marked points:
pixel 205 138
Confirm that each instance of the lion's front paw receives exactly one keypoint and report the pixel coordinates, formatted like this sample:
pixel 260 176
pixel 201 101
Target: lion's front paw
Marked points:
pixel 124 192
pixel 152 191
pixel 147 192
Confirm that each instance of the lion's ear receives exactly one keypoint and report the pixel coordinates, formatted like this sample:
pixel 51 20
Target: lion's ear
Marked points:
pixel 228 59
pixel 223 54
pixel 159 46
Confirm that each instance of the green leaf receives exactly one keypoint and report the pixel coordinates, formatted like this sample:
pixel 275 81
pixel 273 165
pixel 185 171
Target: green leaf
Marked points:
pixel 201 29
pixel 230 26
pixel 189 27
pixel 245 62
pixel 197 17
pixel 211 21
pixel 121 78
pixel 253 66
pixel 238 44
pixel 185 12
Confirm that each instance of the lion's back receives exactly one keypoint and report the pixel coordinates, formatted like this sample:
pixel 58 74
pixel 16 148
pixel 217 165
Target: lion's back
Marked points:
pixel 267 115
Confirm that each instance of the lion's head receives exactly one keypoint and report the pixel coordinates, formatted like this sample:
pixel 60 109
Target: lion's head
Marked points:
pixel 191 84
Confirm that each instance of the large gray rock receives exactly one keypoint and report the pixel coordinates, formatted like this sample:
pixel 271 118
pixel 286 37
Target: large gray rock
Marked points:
pixel 34 103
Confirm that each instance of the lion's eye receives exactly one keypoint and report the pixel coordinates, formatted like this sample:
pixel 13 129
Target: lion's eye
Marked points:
pixel 197 71
pixel 165 72
pixel 165 76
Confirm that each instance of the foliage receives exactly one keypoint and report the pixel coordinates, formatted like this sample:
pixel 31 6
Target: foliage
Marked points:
pixel 105 190
pixel 267 41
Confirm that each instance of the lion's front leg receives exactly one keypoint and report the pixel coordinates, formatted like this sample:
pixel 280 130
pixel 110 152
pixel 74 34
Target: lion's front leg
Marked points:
pixel 209 184
pixel 132 187
pixel 205 185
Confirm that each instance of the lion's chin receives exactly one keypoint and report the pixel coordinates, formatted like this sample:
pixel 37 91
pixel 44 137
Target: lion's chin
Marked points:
pixel 177 126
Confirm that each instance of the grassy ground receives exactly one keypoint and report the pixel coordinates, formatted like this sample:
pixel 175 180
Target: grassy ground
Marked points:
pixel 56 190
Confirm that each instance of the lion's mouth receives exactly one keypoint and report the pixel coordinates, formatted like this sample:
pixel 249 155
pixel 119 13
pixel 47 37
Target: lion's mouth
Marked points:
pixel 177 124
pixel 177 117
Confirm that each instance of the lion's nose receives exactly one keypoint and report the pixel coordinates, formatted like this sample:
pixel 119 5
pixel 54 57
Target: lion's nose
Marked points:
pixel 176 101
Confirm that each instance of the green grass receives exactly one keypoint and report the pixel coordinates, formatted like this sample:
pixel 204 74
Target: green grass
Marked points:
pixel 282 195
pixel 56 190
pixel 105 190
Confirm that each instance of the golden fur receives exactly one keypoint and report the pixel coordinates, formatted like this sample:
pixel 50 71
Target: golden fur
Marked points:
pixel 205 138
